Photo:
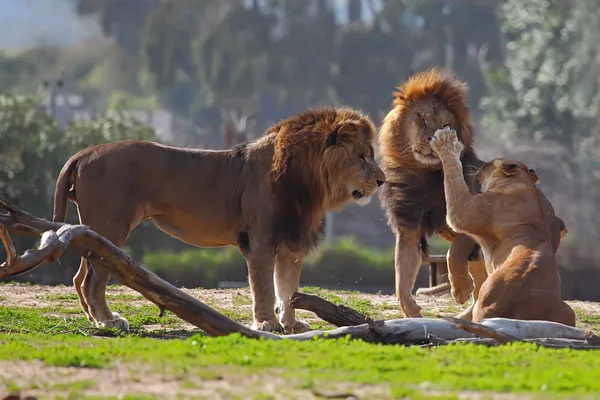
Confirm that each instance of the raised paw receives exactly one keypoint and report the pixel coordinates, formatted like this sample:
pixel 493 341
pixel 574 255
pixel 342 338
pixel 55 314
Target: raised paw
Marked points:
pixel 268 326
pixel 446 141
pixel 117 322
pixel 297 327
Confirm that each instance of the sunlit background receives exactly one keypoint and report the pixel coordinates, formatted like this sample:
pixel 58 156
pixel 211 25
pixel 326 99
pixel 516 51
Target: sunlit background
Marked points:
pixel 212 73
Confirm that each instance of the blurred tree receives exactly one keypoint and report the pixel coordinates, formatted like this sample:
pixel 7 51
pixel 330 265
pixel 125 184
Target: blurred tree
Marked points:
pixel 532 93
pixel 547 91
pixel 120 19
pixel 33 149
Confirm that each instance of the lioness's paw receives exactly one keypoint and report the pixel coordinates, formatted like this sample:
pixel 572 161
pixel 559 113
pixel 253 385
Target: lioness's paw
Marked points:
pixel 117 322
pixel 297 327
pixel 268 326
pixel 445 140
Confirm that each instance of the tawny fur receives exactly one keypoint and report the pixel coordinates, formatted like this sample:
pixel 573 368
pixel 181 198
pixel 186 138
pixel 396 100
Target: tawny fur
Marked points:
pixel 267 197
pixel 508 220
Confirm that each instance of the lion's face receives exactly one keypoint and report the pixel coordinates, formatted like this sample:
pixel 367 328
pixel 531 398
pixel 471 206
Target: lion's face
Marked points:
pixel 361 175
pixel 500 172
pixel 421 123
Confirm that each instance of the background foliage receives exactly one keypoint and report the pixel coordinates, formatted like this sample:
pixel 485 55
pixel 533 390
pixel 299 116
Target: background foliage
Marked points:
pixel 532 66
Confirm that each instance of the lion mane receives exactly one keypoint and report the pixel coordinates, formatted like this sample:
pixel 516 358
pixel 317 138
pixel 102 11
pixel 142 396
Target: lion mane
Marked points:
pixel 413 196
pixel 301 184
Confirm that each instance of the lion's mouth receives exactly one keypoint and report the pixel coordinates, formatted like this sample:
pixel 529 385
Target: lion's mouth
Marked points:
pixel 360 198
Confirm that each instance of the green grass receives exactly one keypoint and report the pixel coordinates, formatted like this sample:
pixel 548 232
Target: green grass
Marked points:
pixel 58 335
pixel 515 368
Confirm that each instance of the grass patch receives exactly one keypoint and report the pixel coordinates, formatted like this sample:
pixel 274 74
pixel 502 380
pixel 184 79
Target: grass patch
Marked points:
pixel 512 368
pixel 58 334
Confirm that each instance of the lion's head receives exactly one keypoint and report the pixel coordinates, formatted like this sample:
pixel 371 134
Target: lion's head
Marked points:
pixel 503 175
pixel 323 159
pixel 426 102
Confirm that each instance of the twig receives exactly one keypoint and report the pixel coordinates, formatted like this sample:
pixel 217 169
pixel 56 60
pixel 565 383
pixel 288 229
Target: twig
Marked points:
pixel 338 315
pixel 375 326
pixel 479 329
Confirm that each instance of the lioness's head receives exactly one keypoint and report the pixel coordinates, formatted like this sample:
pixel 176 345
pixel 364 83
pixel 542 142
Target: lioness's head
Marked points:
pixel 323 159
pixel 503 174
pixel 426 102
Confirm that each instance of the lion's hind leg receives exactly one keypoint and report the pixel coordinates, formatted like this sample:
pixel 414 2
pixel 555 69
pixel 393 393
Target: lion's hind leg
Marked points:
pixel 78 280
pixel 458 267
pixel 96 279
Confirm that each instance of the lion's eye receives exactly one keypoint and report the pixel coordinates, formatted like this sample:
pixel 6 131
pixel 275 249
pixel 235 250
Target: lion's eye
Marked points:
pixel 423 120
pixel 362 158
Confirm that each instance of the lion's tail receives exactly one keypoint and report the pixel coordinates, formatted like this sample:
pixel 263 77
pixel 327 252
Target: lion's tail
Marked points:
pixel 63 191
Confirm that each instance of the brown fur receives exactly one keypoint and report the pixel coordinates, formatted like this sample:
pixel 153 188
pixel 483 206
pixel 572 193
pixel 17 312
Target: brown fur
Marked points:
pixel 267 197
pixel 508 220
pixel 413 195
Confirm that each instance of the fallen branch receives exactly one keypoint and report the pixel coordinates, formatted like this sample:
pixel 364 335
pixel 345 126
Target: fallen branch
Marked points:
pixel 338 315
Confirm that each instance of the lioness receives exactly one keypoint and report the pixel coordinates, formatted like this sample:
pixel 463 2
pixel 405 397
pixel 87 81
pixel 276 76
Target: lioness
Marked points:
pixel 268 197
pixel 508 221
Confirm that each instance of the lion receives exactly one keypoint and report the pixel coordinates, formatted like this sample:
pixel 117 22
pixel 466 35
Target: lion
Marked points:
pixel 413 196
pixel 508 221
pixel 268 197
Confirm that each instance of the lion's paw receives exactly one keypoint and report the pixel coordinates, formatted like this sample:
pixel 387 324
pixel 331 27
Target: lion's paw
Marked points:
pixel 462 294
pixel 446 140
pixel 268 326
pixel 462 287
pixel 297 327
pixel 117 322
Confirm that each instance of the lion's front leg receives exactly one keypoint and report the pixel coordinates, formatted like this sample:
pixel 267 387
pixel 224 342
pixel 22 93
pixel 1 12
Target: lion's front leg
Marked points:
pixel 260 272
pixel 287 281
pixel 407 260
pixel 446 146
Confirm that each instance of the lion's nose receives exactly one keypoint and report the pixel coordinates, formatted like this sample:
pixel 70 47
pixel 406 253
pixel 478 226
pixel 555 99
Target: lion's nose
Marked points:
pixel 379 183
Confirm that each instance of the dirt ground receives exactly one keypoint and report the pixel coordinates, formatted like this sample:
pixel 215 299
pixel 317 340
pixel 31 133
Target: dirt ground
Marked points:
pixel 120 379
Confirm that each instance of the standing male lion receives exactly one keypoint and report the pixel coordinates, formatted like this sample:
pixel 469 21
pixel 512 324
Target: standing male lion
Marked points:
pixel 413 196
pixel 268 197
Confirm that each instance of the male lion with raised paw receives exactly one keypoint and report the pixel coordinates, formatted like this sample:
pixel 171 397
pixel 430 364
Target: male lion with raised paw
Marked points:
pixel 268 197
pixel 508 221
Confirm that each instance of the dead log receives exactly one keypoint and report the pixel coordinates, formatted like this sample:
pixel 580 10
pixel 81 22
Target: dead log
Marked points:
pixel 338 315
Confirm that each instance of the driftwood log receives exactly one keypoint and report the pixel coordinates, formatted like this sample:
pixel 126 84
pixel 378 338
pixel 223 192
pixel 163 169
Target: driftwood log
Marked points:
pixel 57 237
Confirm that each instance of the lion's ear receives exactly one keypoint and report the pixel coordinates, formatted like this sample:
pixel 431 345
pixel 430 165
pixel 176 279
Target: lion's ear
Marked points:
pixel 341 132
pixel 534 176
pixel 510 169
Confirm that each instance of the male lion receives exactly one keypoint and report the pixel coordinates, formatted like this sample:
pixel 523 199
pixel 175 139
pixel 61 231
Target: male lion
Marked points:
pixel 413 195
pixel 268 197
pixel 508 221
